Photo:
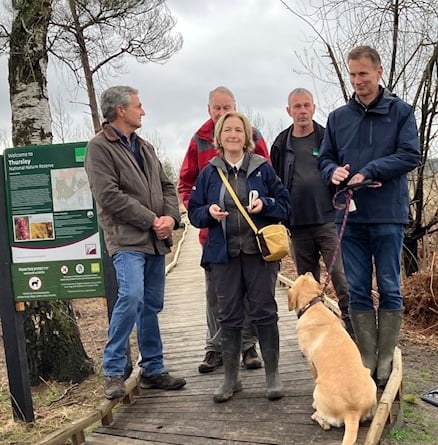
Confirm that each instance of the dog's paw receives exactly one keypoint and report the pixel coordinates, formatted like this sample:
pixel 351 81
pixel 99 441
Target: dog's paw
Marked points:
pixel 321 421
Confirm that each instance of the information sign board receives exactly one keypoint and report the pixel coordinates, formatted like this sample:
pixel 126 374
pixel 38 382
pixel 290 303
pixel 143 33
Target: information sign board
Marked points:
pixel 53 230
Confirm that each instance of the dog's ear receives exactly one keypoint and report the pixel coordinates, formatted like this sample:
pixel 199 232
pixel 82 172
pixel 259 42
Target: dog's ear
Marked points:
pixel 292 299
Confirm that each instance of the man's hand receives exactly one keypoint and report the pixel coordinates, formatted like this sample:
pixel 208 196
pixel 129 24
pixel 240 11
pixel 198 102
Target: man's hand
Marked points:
pixel 340 174
pixel 358 177
pixel 163 226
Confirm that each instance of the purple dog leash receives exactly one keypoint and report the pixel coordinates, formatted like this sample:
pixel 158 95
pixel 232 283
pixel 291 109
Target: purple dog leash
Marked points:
pixel 348 193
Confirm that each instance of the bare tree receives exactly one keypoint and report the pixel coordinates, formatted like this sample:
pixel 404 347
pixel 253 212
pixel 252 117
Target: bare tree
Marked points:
pixel 92 37
pixel 54 348
pixel 31 122
pixel 405 32
pixel 65 127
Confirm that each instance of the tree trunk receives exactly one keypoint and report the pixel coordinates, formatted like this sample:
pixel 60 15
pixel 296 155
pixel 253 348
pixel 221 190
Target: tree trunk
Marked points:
pixel 31 121
pixel 54 347
pixel 88 74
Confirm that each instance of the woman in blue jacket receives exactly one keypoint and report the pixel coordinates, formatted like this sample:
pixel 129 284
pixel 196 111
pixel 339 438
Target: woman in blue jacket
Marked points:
pixel 231 252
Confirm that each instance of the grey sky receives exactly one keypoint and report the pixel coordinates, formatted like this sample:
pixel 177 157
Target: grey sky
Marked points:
pixel 247 45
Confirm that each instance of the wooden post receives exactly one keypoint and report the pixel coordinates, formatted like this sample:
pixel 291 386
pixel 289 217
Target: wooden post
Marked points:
pixel 12 323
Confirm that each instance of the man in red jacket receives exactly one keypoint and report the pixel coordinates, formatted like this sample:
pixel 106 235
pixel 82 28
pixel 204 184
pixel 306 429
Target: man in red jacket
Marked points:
pixel 220 101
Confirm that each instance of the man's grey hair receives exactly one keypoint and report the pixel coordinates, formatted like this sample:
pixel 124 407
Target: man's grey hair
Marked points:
pixel 299 91
pixel 114 96
pixel 221 89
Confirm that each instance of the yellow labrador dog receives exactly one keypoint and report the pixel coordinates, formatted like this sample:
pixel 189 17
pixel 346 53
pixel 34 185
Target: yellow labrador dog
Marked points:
pixel 344 391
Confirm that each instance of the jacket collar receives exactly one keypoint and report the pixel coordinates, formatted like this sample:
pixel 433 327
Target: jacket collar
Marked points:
pixel 379 105
pixel 112 135
pixel 206 131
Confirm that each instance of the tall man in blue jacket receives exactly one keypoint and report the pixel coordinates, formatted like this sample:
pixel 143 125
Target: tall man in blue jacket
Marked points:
pixel 374 136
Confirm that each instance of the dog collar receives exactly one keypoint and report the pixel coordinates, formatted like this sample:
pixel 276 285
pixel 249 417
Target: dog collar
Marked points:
pixel 318 299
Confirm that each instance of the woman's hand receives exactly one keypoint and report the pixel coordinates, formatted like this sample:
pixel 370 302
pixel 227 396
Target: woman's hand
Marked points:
pixel 257 206
pixel 217 213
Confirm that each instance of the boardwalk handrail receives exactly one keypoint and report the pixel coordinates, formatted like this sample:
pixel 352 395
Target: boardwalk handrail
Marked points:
pixel 175 258
pixel 384 406
pixel 103 413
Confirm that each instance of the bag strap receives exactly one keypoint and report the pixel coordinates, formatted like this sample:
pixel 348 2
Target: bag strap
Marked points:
pixel 237 201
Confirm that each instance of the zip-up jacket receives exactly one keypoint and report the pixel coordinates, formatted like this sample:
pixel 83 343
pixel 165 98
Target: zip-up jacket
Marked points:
pixel 278 153
pixel 209 189
pixel 128 198
pixel 382 144
pixel 199 152
pixel 283 154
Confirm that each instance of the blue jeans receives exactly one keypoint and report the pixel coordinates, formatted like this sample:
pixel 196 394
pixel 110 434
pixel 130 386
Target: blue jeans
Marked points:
pixel 140 280
pixel 363 244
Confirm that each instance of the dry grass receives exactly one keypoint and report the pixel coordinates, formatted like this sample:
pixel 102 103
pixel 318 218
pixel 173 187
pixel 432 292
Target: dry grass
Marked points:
pixel 55 404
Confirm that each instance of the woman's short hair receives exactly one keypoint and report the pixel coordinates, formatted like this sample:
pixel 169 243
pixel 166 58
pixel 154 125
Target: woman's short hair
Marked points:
pixel 249 141
pixel 113 97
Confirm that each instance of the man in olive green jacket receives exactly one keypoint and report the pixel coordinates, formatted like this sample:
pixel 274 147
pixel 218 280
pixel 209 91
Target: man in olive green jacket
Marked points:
pixel 137 210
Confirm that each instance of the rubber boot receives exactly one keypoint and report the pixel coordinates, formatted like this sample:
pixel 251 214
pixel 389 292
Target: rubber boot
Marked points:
pixel 231 344
pixel 270 346
pixel 345 315
pixel 388 330
pixel 365 331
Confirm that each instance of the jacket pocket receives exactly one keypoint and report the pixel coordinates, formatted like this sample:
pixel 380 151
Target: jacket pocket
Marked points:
pixel 128 235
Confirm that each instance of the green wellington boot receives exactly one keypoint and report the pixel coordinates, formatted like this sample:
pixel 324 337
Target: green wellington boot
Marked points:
pixel 388 329
pixel 270 346
pixel 231 344
pixel 365 331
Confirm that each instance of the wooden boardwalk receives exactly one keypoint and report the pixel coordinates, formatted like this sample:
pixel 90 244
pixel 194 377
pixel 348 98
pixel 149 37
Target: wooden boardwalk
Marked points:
pixel 189 416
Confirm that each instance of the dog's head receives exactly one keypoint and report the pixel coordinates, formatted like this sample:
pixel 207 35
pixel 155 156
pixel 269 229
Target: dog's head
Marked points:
pixel 305 288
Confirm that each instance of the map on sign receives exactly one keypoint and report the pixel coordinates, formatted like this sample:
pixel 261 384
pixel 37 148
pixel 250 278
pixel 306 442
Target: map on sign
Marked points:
pixel 70 189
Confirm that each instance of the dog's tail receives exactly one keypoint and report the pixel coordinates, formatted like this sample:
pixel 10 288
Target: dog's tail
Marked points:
pixel 351 422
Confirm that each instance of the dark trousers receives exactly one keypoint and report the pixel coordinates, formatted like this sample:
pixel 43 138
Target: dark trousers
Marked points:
pixel 214 331
pixel 250 276
pixel 309 244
